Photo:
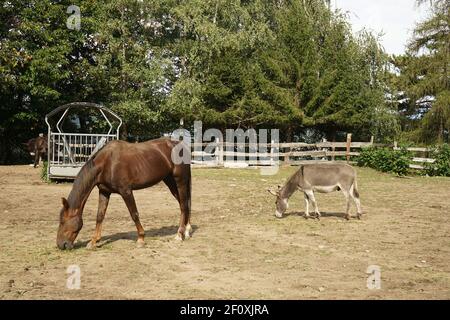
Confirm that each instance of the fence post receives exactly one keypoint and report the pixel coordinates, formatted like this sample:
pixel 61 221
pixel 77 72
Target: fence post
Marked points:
pixel 219 152
pixel 324 149
pixel 272 151
pixel 349 144
pixel 287 155
pixel 372 140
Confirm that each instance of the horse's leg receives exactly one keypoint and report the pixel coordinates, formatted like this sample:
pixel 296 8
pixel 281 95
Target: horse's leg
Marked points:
pixel 183 186
pixel 103 200
pixel 36 157
pixel 172 185
pixel 131 205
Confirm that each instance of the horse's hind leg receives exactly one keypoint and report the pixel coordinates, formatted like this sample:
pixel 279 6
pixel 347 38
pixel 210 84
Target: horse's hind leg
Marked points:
pixel 184 199
pixel 172 185
pixel 36 157
pixel 103 200
pixel 131 205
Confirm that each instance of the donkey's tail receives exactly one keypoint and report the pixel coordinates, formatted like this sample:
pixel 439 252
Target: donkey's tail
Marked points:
pixel 355 188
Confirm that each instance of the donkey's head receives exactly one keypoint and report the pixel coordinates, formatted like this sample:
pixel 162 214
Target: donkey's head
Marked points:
pixel 70 224
pixel 281 202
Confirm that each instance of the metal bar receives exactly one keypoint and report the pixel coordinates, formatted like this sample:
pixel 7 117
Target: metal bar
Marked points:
pixel 61 119
pixel 106 118
pixel 83 134
pixel 59 141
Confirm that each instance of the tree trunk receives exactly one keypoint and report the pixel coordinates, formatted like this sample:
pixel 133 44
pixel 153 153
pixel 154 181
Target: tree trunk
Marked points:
pixel 330 134
pixel 289 134
pixel 441 132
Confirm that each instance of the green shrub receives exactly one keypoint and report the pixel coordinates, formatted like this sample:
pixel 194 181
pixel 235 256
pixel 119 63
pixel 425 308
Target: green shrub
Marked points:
pixel 386 160
pixel 44 173
pixel 441 167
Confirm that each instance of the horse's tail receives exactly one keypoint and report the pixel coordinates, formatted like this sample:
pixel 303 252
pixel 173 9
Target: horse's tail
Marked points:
pixel 189 189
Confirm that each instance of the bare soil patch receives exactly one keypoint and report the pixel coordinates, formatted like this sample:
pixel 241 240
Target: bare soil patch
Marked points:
pixel 239 250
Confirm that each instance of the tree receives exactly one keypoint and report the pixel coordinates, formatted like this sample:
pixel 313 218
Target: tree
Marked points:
pixel 424 75
pixel 289 64
pixel 39 58
pixel 131 64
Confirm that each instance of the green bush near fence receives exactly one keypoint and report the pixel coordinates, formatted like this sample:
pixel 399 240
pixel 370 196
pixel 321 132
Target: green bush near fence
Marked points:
pixel 386 160
pixel 441 166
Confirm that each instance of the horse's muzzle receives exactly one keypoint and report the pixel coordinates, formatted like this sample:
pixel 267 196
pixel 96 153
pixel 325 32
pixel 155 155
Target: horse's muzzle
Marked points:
pixel 65 245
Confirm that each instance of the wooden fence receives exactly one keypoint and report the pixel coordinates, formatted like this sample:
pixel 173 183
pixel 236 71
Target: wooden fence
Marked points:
pixel 219 153
pixel 420 158
pixel 222 154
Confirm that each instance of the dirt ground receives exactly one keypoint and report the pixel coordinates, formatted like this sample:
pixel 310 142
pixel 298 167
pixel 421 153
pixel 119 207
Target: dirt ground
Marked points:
pixel 239 250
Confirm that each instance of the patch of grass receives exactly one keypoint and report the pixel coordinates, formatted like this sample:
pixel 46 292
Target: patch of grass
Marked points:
pixel 44 172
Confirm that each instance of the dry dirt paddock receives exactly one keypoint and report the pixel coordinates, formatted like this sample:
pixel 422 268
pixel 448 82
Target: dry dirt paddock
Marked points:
pixel 239 250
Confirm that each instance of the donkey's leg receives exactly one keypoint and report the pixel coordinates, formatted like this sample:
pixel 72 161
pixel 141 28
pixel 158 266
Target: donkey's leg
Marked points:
pixel 131 205
pixel 347 203
pixel 311 196
pixel 355 197
pixel 103 200
pixel 307 216
pixel 184 200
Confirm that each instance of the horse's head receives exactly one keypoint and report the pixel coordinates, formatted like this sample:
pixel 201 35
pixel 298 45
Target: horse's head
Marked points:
pixel 70 224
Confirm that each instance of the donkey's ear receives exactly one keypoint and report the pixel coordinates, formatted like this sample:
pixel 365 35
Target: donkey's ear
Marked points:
pixel 65 203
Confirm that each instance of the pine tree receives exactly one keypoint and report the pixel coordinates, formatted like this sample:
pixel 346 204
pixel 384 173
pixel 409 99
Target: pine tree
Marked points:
pixel 424 73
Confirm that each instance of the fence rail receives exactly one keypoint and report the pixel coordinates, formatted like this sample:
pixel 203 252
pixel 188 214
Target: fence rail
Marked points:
pixel 224 154
pixel 421 157
pixel 219 153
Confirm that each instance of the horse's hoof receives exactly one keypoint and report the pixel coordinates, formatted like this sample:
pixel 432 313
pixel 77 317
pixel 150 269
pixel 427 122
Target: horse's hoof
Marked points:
pixel 359 216
pixel 90 245
pixel 179 237
pixel 187 233
pixel 347 217
pixel 306 217
pixel 140 244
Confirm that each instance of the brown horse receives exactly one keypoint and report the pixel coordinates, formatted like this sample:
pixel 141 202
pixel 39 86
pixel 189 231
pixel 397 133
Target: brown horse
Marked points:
pixel 121 167
pixel 38 148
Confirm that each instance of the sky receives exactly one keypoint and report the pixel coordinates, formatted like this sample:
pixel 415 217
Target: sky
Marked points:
pixel 394 18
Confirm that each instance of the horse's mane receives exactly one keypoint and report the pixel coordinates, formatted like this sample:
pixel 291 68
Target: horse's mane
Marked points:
pixel 83 182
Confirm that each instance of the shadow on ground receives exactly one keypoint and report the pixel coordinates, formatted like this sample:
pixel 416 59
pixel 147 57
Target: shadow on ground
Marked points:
pixel 132 236
pixel 313 216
